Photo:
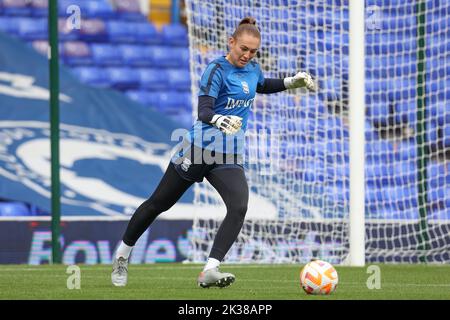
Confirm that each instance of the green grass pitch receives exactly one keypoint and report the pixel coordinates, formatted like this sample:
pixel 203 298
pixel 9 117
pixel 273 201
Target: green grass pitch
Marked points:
pixel 253 282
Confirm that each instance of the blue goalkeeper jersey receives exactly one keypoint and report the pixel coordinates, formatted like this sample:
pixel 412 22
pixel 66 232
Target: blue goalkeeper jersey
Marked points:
pixel 234 90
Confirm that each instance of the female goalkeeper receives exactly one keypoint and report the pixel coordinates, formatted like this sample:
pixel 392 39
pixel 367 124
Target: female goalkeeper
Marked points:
pixel 213 150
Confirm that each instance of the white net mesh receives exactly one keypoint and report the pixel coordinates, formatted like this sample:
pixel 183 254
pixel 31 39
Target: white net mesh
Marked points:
pixel 298 144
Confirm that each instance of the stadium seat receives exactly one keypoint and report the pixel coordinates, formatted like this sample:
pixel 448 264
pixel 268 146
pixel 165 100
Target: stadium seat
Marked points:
pixel 331 89
pixel 92 75
pixel 432 131
pixel 144 32
pixel 141 96
pixel 93 30
pixel 379 112
pixel 119 32
pixel 165 57
pixel 437 68
pixel 9 25
pixel 135 55
pixel 179 79
pixel 152 79
pixel 440 214
pixel 406 111
pixel 379 151
pixel 438 174
pixel 378 174
pixel 166 101
pixel 183 118
pixel 185 98
pixel 14 209
pixel 406 150
pixel 105 54
pixel 438 195
pixel 446 130
pixel 41 46
pixel 183 56
pixel 174 34
pixel 400 199
pixel 99 9
pixel 76 53
pixel 436 110
pixel 122 78
pixel 436 24
pixel 39 8
pixel 15 8
pixel 128 10
pixel 32 29
pixel 405 173
pixel 66 32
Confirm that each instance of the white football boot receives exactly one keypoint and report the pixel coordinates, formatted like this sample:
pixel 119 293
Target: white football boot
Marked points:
pixel 119 273
pixel 214 278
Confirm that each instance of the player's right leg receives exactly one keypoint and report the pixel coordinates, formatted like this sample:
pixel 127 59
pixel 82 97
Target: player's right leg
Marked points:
pixel 232 186
pixel 170 189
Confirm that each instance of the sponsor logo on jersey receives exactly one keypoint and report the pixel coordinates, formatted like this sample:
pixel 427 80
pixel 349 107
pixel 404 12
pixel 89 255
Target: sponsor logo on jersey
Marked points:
pixel 240 103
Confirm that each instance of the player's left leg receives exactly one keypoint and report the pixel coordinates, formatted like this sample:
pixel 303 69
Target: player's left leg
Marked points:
pixel 232 186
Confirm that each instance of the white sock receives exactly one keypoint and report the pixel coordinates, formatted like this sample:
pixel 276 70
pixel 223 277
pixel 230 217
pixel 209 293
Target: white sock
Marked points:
pixel 123 250
pixel 211 263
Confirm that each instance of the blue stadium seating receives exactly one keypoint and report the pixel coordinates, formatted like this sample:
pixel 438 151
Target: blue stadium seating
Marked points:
pixel 9 25
pixel 165 57
pixel 438 174
pixel 174 35
pixel 435 68
pixel 379 151
pixel 41 46
pixel 406 111
pixel 440 214
pixel 122 78
pixel 39 8
pixel 98 9
pixel 379 112
pixel 14 209
pixel 119 32
pixel 128 10
pixel 105 55
pixel 76 53
pixel 15 8
pixel 146 33
pixel 446 130
pixel 67 32
pixel 93 30
pixel 136 55
pixel 152 78
pixel 405 173
pixel 379 176
pixel 92 75
pixel 179 79
pixel 31 29
pixel 437 110
pixel 142 96
pixel 406 150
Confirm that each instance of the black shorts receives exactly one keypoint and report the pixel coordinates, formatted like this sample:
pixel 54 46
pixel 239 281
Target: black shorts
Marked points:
pixel 194 163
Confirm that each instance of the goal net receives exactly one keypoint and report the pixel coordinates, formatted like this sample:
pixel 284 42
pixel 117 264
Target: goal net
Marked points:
pixel 297 143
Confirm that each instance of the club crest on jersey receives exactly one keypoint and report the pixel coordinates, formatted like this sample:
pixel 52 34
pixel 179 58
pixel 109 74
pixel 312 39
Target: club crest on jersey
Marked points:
pixel 245 87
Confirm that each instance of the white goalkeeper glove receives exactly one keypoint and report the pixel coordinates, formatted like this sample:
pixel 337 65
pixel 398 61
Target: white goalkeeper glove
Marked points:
pixel 301 80
pixel 227 124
